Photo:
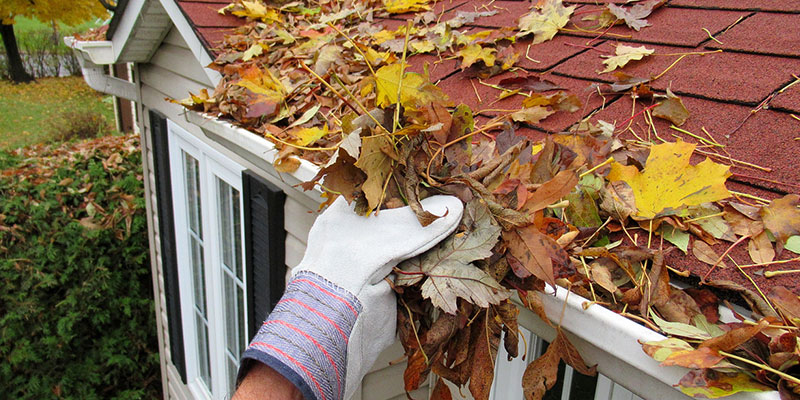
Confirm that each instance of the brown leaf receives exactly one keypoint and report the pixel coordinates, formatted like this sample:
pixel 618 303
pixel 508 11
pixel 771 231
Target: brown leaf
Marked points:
pixel 528 245
pixel 541 374
pixel 602 277
pixel 760 249
pixel 508 313
pixel 754 300
pixel 735 337
pixel 706 254
pixel 570 354
pixel 551 191
pixel 618 200
pixel 635 16
pixel 484 351
pixel 530 299
pixel 680 307
pixel 377 165
pixel 441 391
pixel 787 302
pixel 341 177
pixel 416 371
pixel 707 301
pixel 671 109
pixel 528 83
pixel 782 217
pixel 657 289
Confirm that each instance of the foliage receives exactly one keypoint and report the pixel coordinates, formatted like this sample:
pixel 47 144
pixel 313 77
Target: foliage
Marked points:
pixel 79 125
pixel 559 212
pixel 70 12
pixel 76 306
pixel 32 112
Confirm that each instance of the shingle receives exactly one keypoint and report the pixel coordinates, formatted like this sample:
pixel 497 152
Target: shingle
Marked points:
pixel 763 33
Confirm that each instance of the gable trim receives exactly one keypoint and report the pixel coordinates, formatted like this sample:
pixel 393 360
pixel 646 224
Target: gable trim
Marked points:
pixel 191 38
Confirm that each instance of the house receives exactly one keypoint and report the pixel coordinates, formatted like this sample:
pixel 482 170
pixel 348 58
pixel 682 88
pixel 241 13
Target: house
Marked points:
pixel 225 226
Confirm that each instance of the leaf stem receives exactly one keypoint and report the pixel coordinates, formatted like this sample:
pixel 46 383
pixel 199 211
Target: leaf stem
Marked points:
pixel 770 263
pixel 604 163
pixel 414 328
pixel 762 366
pixel 719 260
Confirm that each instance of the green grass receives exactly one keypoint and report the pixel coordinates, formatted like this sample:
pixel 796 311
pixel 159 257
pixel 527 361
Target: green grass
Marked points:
pixel 32 113
pixel 24 25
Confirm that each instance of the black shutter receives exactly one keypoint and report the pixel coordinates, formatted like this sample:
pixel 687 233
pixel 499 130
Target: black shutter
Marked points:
pixel 166 229
pixel 264 238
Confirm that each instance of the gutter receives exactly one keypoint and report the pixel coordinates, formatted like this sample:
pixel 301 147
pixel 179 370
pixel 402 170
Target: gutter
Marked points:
pixel 93 56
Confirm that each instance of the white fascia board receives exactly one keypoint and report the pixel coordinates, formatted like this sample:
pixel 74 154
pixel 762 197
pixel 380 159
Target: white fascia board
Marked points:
pixel 189 35
pixel 126 25
pixel 253 148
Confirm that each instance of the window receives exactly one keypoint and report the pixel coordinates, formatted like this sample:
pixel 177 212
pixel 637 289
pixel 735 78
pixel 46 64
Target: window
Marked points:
pixel 207 209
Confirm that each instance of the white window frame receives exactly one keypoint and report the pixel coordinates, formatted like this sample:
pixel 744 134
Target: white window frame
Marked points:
pixel 212 165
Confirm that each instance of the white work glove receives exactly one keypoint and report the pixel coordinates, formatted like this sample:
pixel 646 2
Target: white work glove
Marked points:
pixel 338 313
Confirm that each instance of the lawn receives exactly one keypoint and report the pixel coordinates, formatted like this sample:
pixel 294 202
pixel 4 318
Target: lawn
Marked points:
pixel 36 112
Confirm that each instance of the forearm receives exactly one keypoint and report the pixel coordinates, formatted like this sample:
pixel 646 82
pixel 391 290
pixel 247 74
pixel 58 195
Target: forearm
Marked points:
pixel 264 383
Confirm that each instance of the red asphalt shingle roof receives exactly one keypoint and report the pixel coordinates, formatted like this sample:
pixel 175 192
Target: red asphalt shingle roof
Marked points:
pixel 761 51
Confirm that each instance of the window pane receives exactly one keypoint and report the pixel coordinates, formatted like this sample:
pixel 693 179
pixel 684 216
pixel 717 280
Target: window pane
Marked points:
pixel 237 236
pixel 202 351
pixel 231 314
pixel 230 227
pixel 198 275
pixel 243 339
pixel 232 367
pixel 191 172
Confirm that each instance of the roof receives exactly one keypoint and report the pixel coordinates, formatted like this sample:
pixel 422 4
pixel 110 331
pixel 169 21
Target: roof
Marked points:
pixel 733 63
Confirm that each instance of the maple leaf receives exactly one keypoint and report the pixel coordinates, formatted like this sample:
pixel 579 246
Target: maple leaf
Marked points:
pixel 254 10
pixel 669 182
pixel 404 6
pixel 624 54
pixel 635 16
pixel 414 88
pixel 544 24
pixel 474 53
pixel 306 136
pixel 449 269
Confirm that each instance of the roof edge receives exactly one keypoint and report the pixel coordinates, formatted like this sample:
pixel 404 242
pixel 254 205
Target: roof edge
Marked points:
pixel 115 19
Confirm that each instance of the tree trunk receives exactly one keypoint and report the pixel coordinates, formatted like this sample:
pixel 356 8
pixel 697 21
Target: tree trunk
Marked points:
pixel 15 67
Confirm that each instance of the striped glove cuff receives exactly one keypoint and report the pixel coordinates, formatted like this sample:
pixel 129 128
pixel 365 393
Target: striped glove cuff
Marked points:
pixel 305 337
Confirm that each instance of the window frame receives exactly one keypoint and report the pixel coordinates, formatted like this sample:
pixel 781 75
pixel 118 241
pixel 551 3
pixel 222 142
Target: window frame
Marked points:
pixel 213 165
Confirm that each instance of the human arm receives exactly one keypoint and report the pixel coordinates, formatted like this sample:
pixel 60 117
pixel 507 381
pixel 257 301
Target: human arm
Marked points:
pixel 338 311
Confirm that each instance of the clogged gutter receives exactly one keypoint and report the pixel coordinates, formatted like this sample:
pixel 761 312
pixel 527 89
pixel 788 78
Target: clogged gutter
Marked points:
pixel 585 210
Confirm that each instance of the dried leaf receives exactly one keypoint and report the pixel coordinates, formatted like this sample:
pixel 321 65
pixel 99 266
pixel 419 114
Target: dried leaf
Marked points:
pixel 711 384
pixel 787 302
pixel 760 249
pixel 662 349
pixel 703 357
pixel 782 217
pixel 671 109
pixel 624 54
pixel 532 115
pixel 668 182
pixel 618 200
pixel 602 277
pixel 545 23
pixel 530 247
pixel 377 165
pixel 635 16
pixel 416 90
pixel 404 6
pixel 528 83
pixel 541 374
pixel 735 337
pixel 474 53
pixel 680 329
pixel 441 391
pixel 706 254
pixel 551 191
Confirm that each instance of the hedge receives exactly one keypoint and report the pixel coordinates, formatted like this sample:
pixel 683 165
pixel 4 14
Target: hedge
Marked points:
pixel 76 305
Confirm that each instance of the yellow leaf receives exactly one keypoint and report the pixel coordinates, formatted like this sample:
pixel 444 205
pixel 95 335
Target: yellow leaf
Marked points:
pixel 624 55
pixel 415 88
pixel 404 6
pixel 254 51
pixel 375 162
pixel 306 136
pixel 473 53
pixel 544 24
pixel 257 10
pixel 422 46
pixel 668 181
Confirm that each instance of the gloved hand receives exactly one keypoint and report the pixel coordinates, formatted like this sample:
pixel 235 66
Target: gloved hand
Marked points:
pixel 338 313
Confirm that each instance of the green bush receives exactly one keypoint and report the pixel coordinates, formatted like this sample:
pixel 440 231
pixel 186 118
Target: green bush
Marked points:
pixel 76 308
pixel 80 124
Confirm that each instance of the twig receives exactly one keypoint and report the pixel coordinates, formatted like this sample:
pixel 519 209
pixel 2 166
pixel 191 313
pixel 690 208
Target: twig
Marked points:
pixel 701 139
pixel 764 264
pixel 704 217
pixel 719 260
pixel 762 366
pixel 749 196
pixel 635 115
pixel 766 180
pixel 710 36
pixel 414 328
pixel 606 162
pixel 770 274
pixel 754 284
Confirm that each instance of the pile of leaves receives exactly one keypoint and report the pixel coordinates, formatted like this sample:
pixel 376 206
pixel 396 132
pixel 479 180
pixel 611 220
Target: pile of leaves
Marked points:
pixel 581 211
pixel 76 309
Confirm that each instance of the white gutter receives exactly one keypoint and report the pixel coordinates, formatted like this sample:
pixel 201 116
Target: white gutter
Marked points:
pixel 93 56
pixel 602 336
